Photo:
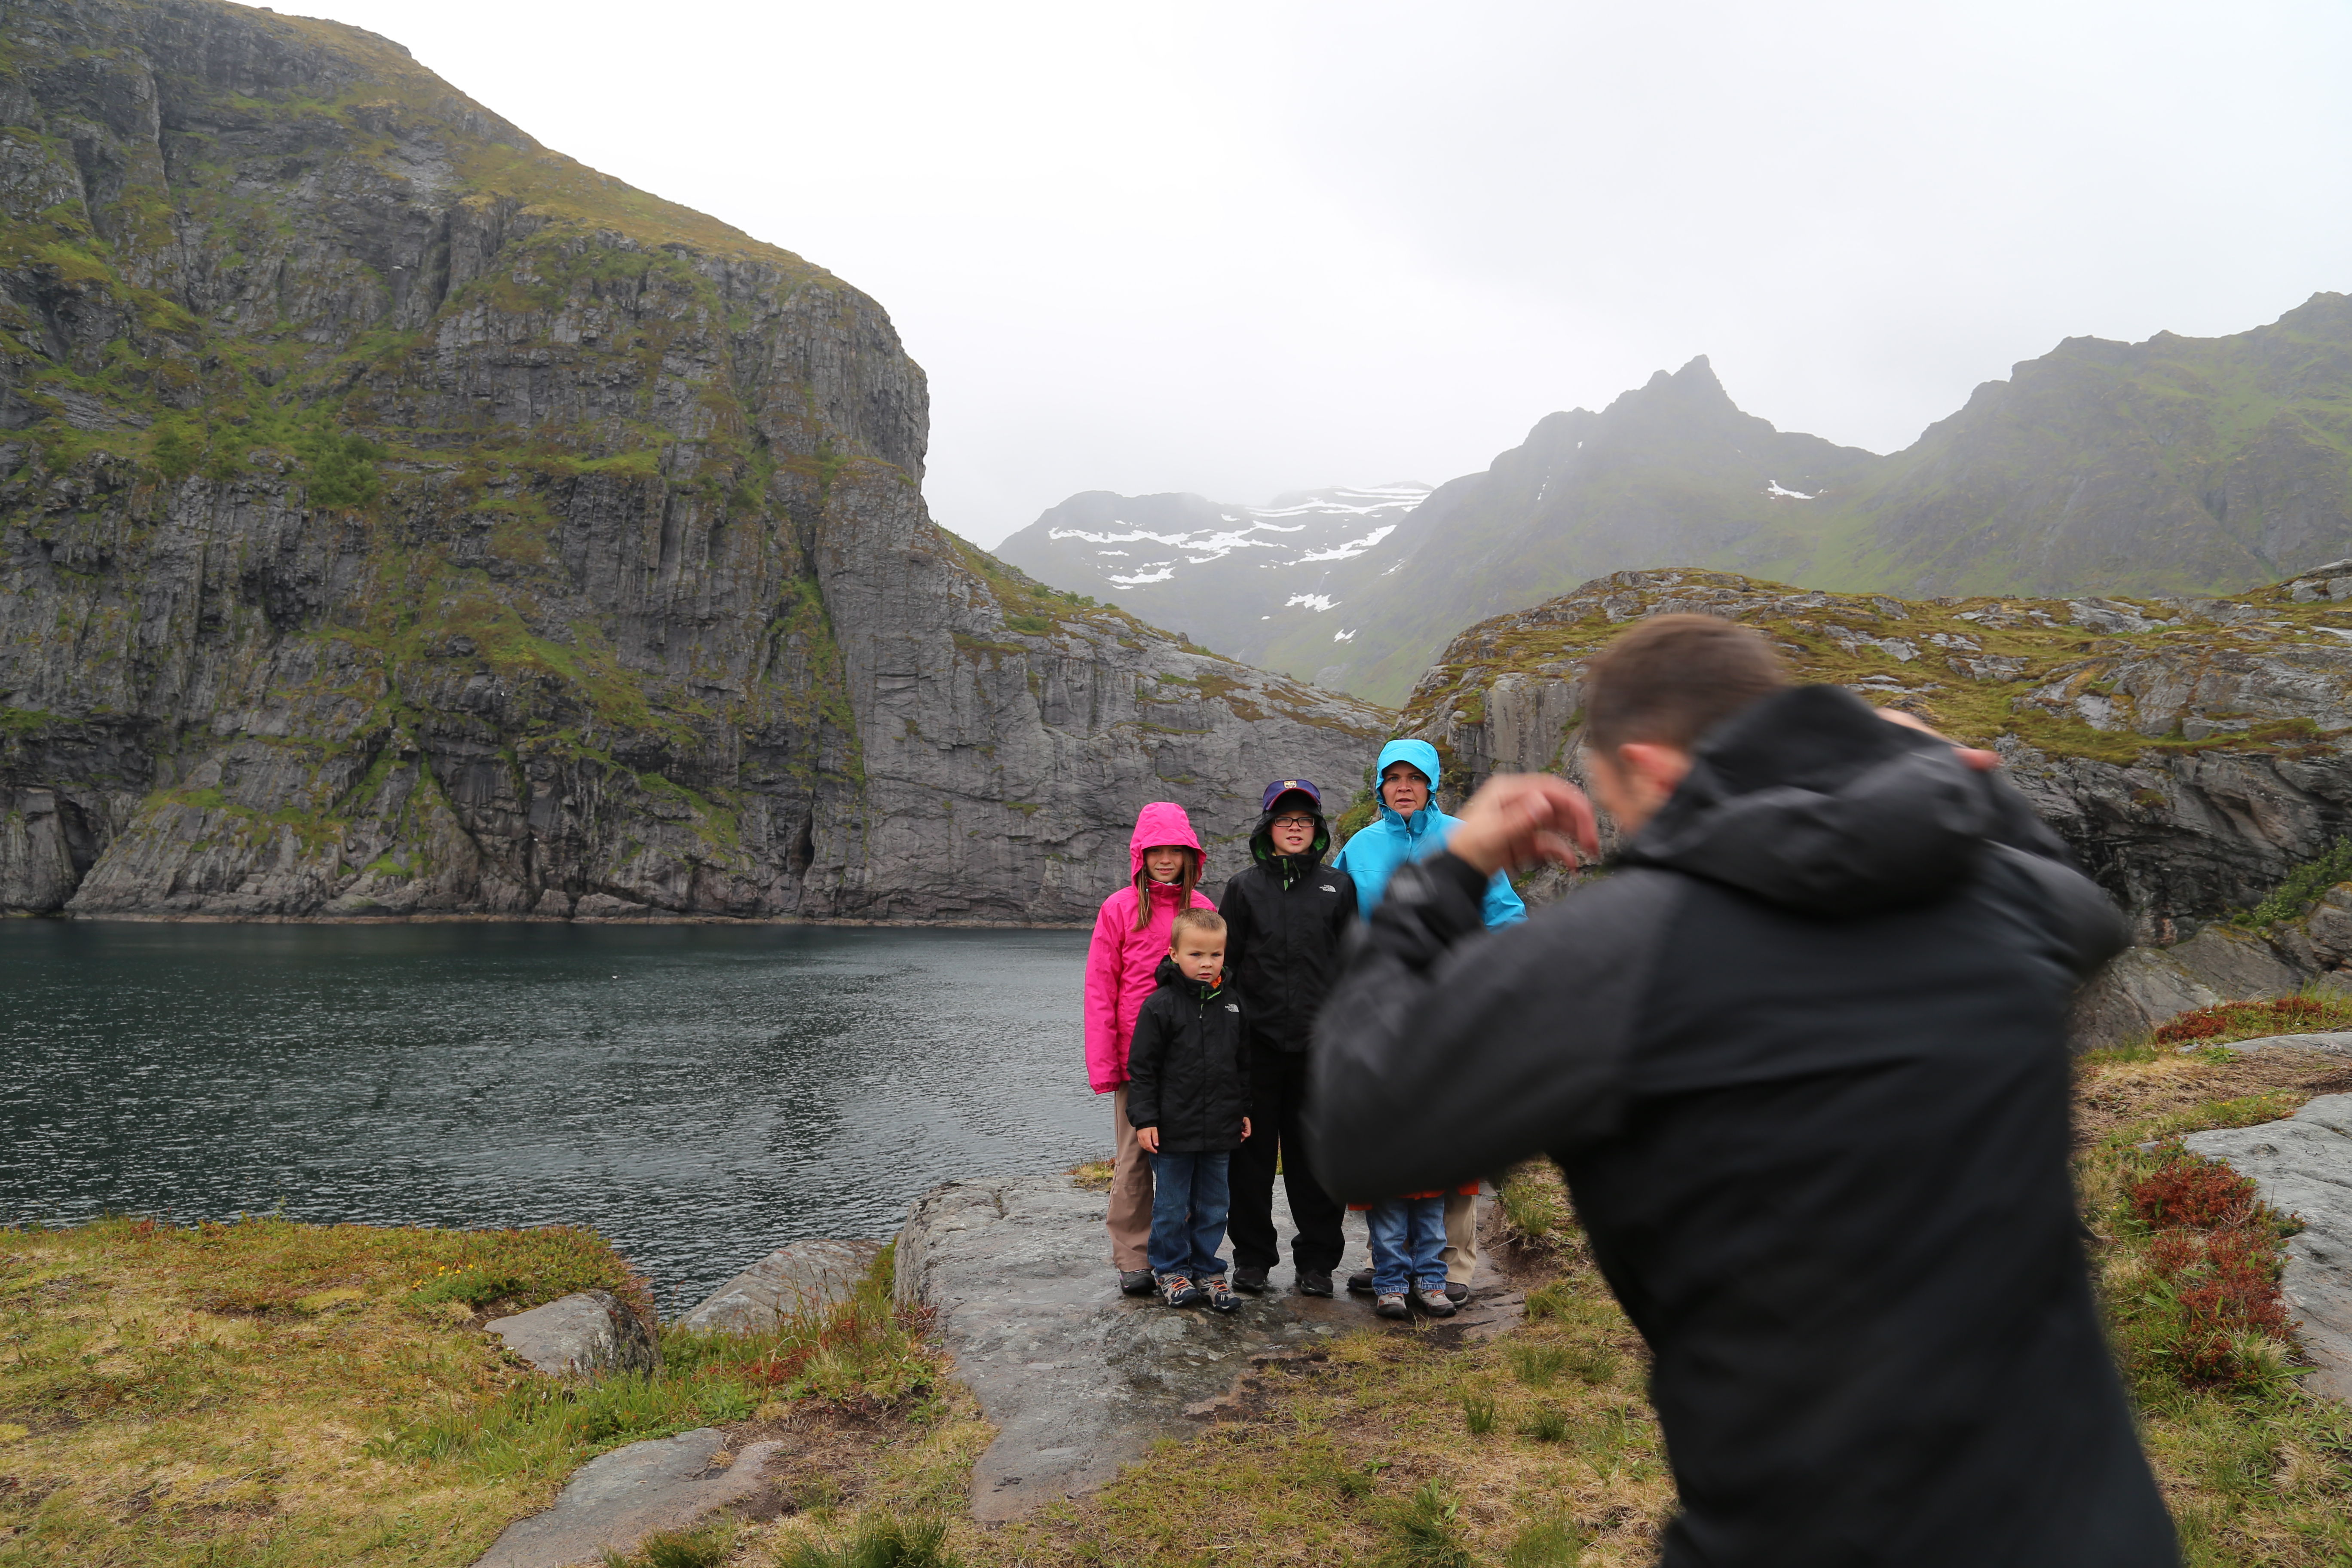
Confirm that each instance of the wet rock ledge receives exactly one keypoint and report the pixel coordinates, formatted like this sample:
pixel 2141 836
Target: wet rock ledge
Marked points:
pixel 1080 1380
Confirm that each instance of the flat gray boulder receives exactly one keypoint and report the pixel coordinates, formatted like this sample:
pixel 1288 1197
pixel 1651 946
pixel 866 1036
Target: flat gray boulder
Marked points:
pixel 790 1279
pixel 2302 1166
pixel 1079 1379
pixel 2338 1041
pixel 614 1500
pixel 583 1334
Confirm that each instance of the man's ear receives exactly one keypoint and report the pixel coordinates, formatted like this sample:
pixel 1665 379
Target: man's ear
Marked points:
pixel 1654 771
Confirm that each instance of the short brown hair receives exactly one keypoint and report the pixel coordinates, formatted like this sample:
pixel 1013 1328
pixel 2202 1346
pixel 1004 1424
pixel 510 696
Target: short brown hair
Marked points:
pixel 1669 679
pixel 1208 921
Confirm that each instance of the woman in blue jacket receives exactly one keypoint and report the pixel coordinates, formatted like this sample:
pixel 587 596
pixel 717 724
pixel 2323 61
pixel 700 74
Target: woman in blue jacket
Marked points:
pixel 1410 828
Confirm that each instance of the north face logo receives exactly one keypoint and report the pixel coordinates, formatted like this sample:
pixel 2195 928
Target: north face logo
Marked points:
pixel 1232 1007
pixel 1330 888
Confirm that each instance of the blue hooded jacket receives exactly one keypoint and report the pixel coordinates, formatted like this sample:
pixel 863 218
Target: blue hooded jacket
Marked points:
pixel 1388 841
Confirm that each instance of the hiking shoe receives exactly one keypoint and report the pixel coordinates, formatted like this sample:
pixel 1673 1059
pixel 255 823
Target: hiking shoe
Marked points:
pixel 1434 1303
pixel 1250 1281
pixel 1360 1281
pixel 1178 1290
pixel 1391 1307
pixel 1457 1294
pixel 1314 1283
pixel 1221 1296
pixel 1136 1282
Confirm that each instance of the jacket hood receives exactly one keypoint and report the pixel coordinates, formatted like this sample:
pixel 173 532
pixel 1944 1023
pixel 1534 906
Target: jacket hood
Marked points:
pixel 1162 822
pixel 1420 753
pixel 1807 799
pixel 1417 753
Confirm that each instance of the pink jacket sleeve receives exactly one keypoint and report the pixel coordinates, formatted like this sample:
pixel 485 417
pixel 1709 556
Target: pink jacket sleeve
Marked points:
pixel 1106 1062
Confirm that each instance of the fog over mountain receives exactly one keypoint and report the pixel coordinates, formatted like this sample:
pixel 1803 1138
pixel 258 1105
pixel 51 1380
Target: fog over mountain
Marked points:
pixel 2178 465
pixel 1235 578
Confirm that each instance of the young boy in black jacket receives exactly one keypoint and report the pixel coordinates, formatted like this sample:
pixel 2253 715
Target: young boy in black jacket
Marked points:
pixel 1285 916
pixel 1188 1098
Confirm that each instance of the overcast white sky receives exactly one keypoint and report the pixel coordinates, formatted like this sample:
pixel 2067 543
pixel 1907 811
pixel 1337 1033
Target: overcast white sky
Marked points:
pixel 1244 249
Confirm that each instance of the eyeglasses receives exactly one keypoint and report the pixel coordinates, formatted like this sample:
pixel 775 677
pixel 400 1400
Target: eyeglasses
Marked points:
pixel 1293 822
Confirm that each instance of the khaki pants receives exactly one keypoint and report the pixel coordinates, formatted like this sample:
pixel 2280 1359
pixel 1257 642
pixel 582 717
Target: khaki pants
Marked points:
pixel 1461 1252
pixel 1129 1220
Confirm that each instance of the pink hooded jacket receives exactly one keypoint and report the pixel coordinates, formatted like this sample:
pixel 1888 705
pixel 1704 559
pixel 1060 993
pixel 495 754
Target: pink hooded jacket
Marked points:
pixel 1120 964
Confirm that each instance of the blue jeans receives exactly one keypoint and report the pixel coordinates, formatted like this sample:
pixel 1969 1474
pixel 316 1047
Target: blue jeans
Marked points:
pixel 1189 1200
pixel 1408 1244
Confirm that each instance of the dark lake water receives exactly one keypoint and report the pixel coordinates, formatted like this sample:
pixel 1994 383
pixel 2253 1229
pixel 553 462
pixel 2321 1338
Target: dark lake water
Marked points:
pixel 700 1094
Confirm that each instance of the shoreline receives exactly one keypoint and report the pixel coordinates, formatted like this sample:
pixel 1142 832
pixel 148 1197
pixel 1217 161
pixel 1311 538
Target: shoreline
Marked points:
pixel 463 917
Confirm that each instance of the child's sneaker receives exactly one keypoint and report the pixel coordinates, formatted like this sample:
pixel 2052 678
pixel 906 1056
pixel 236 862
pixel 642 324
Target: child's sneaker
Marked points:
pixel 1436 1303
pixel 1391 1307
pixel 1221 1296
pixel 1178 1290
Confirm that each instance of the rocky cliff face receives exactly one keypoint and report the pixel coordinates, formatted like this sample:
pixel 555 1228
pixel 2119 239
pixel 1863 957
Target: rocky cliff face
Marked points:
pixel 2193 751
pixel 397 516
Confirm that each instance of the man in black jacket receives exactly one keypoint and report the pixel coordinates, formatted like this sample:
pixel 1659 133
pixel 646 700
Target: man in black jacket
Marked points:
pixel 1286 915
pixel 1802 1060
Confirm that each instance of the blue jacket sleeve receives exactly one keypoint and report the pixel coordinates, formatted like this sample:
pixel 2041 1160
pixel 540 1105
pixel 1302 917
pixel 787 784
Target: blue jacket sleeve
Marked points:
pixel 1502 906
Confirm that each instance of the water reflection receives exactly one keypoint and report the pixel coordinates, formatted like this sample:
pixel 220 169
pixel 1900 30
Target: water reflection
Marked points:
pixel 699 1093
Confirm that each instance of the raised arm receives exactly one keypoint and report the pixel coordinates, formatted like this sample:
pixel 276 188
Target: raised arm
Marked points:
pixel 1446 1052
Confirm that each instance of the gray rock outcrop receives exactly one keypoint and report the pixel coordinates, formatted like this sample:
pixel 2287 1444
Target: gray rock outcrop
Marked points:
pixel 398 517
pixel 2302 1166
pixel 1079 1379
pixel 614 1500
pixel 793 1279
pixel 2192 752
pixel 585 1334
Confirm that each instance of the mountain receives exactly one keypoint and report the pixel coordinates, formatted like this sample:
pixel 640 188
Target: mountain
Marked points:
pixel 397 516
pixel 1669 474
pixel 2176 466
pixel 1234 577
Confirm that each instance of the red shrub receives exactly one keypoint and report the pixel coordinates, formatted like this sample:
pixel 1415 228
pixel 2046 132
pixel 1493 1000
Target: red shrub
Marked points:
pixel 2172 1253
pixel 2217 1246
pixel 2286 1014
pixel 2192 1193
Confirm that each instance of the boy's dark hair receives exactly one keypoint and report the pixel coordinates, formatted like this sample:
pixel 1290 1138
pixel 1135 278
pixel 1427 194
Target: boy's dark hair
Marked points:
pixel 1669 679
pixel 1206 920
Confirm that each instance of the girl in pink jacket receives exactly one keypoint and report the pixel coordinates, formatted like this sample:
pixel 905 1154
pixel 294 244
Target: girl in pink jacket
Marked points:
pixel 1130 938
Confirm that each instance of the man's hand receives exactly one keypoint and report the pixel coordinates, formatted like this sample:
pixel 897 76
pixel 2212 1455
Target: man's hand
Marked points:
pixel 1984 761
pixel 1244 1128
pixel 1149 1137
pixel 1518 819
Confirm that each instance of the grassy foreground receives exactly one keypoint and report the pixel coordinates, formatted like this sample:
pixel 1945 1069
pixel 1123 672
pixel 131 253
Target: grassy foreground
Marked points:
pixel 270 1393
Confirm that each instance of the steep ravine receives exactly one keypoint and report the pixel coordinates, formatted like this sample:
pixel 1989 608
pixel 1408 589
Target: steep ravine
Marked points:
pixel 398 517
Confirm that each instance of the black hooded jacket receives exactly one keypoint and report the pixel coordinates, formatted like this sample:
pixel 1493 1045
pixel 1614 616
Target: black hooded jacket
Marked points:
pixel 1286 916
pixel 1187 1066
pixel 1802 1060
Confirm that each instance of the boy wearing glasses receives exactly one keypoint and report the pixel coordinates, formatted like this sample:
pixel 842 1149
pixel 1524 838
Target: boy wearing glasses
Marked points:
pixel 1285 916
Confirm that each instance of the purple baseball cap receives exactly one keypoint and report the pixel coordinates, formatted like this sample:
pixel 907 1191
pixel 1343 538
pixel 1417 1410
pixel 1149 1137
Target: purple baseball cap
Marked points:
pixel 1281 787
